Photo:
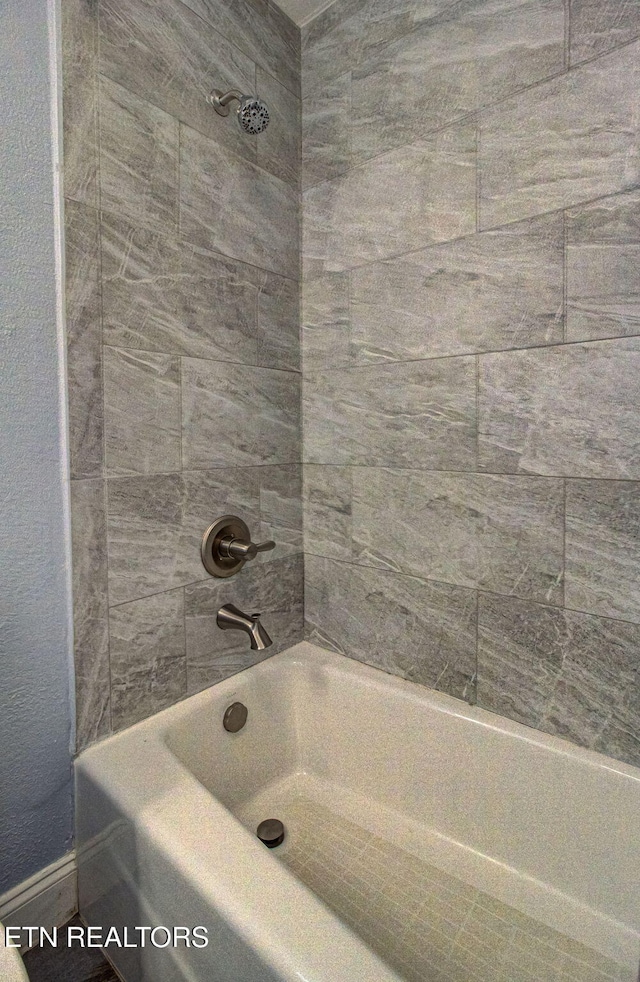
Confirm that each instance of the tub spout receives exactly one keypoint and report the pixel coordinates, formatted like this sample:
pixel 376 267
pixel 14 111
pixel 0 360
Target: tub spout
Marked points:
pixel 231 619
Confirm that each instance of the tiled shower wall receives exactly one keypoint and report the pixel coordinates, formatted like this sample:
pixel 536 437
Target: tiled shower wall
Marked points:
pixel 183 341
pixel 471 351
pixel 470 307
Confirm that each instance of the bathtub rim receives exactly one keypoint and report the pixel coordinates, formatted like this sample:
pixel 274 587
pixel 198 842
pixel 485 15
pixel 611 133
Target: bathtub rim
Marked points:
pixel 440 702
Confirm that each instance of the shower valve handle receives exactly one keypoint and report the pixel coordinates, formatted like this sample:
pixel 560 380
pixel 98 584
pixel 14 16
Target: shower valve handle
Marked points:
pixel 231 548
pixel 227 546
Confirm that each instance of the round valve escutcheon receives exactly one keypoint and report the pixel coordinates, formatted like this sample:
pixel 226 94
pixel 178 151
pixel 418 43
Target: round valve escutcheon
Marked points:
pixel 227 546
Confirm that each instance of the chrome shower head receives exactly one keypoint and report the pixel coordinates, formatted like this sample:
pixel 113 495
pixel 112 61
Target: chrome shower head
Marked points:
pixel 253 114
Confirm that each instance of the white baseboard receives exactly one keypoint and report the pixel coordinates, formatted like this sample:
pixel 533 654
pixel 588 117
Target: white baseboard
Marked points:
pixel 47 899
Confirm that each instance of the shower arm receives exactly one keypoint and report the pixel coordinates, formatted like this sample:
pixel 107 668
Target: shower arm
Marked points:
pixel 220 100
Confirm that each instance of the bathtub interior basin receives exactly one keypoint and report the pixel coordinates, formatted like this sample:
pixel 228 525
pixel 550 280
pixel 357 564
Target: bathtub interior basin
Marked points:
pixel 425 840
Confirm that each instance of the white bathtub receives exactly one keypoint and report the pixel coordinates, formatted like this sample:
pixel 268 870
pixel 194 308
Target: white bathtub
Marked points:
pixel 11 966
pixel 166 809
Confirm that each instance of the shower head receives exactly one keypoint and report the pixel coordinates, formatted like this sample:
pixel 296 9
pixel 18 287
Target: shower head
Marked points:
pixel 252 113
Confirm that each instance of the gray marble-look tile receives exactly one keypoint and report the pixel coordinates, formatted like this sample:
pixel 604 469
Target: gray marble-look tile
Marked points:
pixel 261 30
pixel 349 32
pixel 331 18
pixel 603 268
pixel 327 123
pixel 218 300
pixel 326 325
pixel 603 548
pixel 142 412
pixel 332 43
pixel 278 322
pixel 563 672
pixel 90 611
pixel 278 148
pixel 328 527
pixel 419 414
pixel 156 524
pixel 567 410
pixel 138 159
pixel 281 509
pixel 80 100
pixel 148 657
pixel 520 656
pixel 401 201
pixel 620 737
pixel 389 20
pixel 274 589
pixel 229 205
pixel 140 276
pixel 569 140
pixel 170 57
pixel 597 26
pixel 237 415
pixel 419 630
pixel 449 67
pixel 162 295
pixel 84 340
pixel 503 534
pixel 282 49
pixel 489 291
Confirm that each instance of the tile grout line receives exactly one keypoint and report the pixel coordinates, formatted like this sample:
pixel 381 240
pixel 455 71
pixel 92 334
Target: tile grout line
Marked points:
pixel 481 591
pixel 466 117
pixel 489 229
pixel 184 629
pixel 478 187
pixel 180 411
pixel 180 261
pixel 291 372
pixel 549 346
pixel 98 150
pixel 477 110
pixel 565 270
pixel 520 475
pixel 216 469
pixel 98 88
pixel 233 151
pixel 179 240
pixel 236 47
pixel 564 543
pixel 179 223
pixel 476 693
pixel 352 544
pixel 477 467
pixel 105 495
pixel 191 583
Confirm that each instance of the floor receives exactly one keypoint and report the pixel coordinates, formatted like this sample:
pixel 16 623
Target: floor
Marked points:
pixel 427 925
pixel 63 964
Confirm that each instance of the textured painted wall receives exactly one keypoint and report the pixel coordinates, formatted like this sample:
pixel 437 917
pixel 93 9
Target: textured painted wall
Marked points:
pixel 183 341
pixel 36 808
pixel 471 352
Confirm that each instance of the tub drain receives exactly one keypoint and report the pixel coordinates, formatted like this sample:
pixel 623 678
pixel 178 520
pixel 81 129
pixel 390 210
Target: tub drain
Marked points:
pixel 271 832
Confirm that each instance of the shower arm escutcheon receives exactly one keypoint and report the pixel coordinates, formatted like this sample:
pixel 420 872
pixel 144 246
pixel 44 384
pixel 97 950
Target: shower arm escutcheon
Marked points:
pixel 227 546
